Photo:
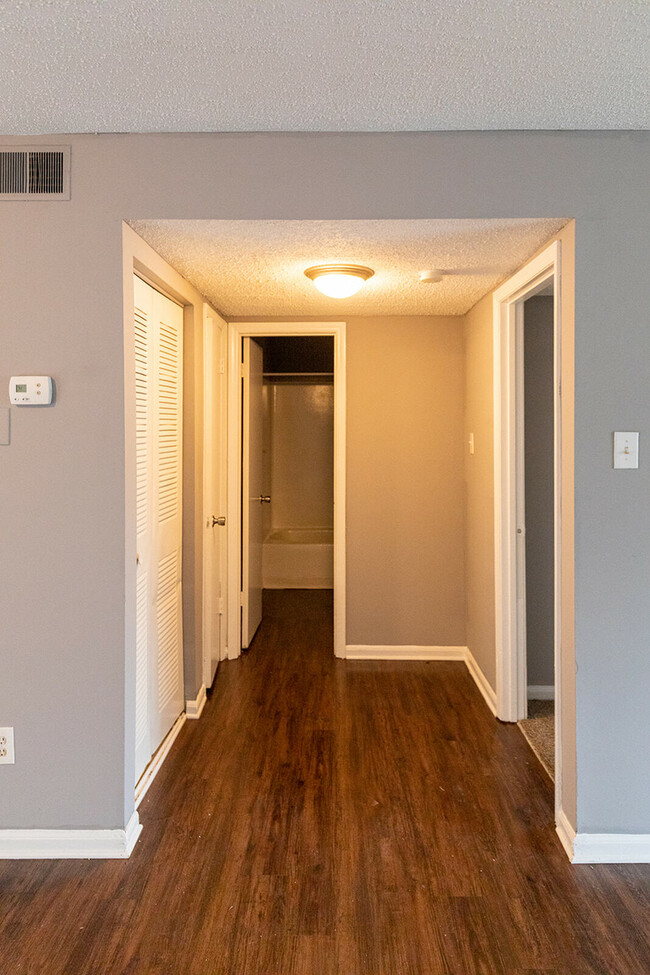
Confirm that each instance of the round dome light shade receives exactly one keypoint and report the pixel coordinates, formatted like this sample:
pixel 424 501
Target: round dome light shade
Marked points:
pixel 339 280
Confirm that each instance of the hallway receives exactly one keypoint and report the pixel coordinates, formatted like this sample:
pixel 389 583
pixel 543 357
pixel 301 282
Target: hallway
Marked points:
pixel 323 816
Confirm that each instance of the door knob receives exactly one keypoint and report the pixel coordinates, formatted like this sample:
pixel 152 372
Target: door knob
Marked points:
pixel 221 520
pixel 265 499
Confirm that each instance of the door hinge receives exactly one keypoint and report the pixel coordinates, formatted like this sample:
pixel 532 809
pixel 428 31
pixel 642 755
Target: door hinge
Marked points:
pixel 220 606
pixel 222 366
pixel 241 599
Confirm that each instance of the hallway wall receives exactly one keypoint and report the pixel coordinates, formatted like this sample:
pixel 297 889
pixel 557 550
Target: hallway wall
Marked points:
pixel 479 486
pixel 62 639
pixel 405 481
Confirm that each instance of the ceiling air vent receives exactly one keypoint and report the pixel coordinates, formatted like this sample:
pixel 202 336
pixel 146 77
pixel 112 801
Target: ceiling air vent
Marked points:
pixel 35 173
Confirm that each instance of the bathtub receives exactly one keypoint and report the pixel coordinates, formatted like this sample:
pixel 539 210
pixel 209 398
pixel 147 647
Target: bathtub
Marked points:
pixel 298 558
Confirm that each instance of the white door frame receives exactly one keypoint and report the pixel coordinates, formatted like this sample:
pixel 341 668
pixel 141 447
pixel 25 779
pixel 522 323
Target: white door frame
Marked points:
pixel 509 486
pixel 213 333
pixel 237 331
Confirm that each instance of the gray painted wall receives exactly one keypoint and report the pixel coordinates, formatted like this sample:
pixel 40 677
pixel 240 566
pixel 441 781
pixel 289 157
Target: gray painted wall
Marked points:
pixel 539 490
pixel 62 488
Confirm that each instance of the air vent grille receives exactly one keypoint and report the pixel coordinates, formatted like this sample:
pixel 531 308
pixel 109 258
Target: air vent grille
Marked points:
pixel 35 173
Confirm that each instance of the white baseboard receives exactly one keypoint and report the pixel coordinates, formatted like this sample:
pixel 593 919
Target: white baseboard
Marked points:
pixel 611 848
pixel 298 583
pixel 361 652
pixel 540 692
pixel 70 844
pixel 194 708
pixel 155 764
pixel 481 681
pixel 566 832
pixel 602 847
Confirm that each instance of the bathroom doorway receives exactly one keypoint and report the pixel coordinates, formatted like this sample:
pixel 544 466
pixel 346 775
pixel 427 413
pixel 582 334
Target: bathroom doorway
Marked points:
pixel 538 725
pixel 286 444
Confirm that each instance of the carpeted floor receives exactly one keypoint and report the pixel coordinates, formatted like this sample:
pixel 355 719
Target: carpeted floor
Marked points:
pixel 539 731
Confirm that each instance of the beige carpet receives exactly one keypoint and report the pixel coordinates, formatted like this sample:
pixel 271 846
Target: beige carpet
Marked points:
pixel 539 731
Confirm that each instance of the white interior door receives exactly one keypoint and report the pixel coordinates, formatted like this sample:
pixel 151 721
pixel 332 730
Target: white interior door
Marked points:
pixel 158 324
pixel 252 484
pixel 214 507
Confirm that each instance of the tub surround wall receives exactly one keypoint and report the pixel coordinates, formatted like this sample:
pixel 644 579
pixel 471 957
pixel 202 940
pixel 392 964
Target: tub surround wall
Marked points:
pixel 299 470
pixel 301 427
pixel 298 558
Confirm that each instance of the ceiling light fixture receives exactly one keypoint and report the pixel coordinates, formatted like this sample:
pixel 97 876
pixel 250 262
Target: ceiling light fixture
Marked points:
pixel 432 276
pixel 339 280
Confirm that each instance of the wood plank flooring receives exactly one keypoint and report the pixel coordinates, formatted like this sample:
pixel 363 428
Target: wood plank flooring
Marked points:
pixel 334 818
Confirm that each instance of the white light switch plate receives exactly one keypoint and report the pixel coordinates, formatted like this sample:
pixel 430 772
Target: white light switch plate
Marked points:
pixel 626 450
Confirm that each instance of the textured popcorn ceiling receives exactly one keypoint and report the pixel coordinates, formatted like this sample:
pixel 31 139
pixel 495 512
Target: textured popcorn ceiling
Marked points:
pixel 322 65
pixel 256 267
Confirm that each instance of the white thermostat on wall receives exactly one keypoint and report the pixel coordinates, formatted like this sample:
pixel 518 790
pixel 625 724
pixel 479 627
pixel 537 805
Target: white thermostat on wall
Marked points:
pixel 30 390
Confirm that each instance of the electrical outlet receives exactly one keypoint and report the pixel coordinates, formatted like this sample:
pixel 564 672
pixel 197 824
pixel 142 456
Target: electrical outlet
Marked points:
pixel 7 753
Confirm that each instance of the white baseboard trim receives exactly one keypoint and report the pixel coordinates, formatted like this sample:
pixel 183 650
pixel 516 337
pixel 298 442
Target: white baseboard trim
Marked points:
pixel 481 681
pixel 194 708
pixel 611 848
pixel 602 847
pixel 70 844
pixel 566 833
pixel 155 764
pixel 540 692
pixel 298 583
pixel 361 652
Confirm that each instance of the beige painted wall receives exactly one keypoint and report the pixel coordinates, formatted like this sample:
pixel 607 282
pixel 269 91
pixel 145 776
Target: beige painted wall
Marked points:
pixel 405 559
pixel 479 486
pixel 479 475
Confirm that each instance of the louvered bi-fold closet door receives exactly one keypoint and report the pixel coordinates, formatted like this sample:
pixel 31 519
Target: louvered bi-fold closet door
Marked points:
pixel 158 325
pixel 142 325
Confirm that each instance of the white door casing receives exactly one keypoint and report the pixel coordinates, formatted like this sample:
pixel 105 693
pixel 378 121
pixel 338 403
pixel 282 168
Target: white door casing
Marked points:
pixel 214 493
pixel 252 489
pixel 158 324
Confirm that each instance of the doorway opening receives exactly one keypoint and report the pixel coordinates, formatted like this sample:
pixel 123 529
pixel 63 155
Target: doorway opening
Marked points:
pixel 538 724
pixel 528 511
pixel 286 445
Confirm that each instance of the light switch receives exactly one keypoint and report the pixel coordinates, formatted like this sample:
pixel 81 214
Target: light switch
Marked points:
pixel 626 450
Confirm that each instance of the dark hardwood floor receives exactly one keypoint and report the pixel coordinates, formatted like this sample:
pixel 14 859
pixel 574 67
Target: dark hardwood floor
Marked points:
pixel 334 817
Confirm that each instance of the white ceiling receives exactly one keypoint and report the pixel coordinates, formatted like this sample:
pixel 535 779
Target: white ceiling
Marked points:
pixel 248 268
pixel 322 65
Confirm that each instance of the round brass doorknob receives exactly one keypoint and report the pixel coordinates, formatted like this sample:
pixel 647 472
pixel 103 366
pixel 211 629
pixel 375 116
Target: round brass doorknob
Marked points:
pixel 221 520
